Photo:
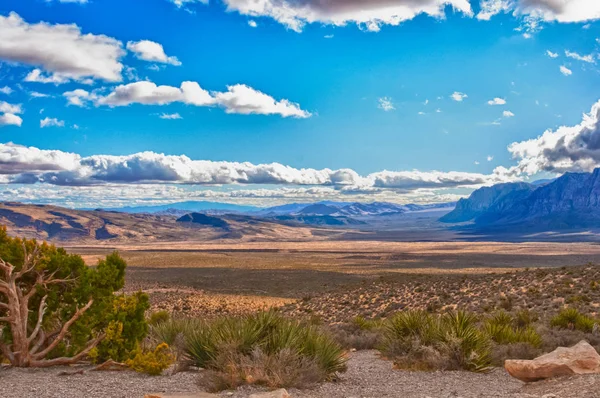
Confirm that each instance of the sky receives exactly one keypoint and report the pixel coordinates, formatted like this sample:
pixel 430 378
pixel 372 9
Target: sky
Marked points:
pixel 263 102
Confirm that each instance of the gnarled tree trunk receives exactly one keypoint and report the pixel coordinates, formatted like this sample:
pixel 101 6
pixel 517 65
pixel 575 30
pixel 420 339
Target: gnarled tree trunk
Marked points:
pixel 30 345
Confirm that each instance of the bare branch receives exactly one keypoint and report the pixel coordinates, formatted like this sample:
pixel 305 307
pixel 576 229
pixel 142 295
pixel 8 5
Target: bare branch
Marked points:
pixel 68 360
pixel 64 330
pixel 38 326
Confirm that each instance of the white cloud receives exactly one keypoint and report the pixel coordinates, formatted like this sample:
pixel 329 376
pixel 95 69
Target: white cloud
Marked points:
pixel 584 58
pixel 170 116
pixel 458 96
pixel 565 71
pixel 551 54
pixel 238 98
pixel 490 158
pixel 252 23
pixel 182 3
pixel 5 107
pixel 51 122
pixel 151 51
pixel 36 94
pixel 63 51
pixel 508 114
pixel 328 36
pixel 28 165
pixel 543 10
pixel 497 101
pixel 10 119
pixel 6 90
pixel 245 100
pixel 476 163
pixel 386 104
pixel 368 14
pixel 575 148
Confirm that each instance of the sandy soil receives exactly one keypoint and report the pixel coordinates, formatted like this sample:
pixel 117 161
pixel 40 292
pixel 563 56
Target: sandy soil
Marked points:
pixel 368 376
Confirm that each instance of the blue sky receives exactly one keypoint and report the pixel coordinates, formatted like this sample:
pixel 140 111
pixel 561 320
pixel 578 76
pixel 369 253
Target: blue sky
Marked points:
pixel 347 88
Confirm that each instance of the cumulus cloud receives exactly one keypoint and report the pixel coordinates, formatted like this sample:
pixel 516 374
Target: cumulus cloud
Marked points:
pixel 151 51
pixel 252 23
pixel 29 165
pixel 6 90
pixel 575 148
pixel 51 122
pixel 508 114
pixel 242 99
pixel 458 96
pixel 386 104
pixel 551 54
pixel 5 107
pixel 238 98
pixel 10 119
pixel 369 14
pixel 497 101
pixel 63 51
pixel 565 71
pixel 543 10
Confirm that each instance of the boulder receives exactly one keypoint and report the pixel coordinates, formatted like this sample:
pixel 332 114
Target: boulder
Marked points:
pixel 582 358
pixel 281 393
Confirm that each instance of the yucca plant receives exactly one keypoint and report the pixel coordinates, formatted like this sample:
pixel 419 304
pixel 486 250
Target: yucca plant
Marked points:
pixel 466 344
pixel 571 318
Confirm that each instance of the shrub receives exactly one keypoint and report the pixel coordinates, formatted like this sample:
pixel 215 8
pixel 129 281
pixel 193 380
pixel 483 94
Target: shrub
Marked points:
pixel 571 318
pixel 233 348
pixel 502 328
pixel 151 362
pixel 418 340
pixel 72 309
pixel 158 317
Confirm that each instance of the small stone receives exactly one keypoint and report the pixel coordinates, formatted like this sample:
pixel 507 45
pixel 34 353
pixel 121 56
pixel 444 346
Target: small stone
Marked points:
pixel 281 393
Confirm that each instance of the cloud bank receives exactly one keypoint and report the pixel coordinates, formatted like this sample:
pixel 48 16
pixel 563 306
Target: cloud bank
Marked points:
pixel 20 164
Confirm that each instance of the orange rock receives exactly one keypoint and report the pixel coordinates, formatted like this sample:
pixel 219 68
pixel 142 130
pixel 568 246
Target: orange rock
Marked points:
pixel 582 358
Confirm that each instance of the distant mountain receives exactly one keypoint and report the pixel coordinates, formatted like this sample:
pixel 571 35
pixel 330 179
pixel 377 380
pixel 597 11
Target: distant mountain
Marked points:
pixel 349 209
pixel 190 206
pixel 45 222
pixel 320 220
pixel 571 201
pixel 487 199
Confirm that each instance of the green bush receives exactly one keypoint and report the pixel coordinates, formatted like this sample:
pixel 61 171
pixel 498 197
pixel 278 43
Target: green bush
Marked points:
pixel 158 317
pixel 151 362
pixel 230 346
pixel 419 340
pixel 503 329
pixel 109 314
pixel 571 318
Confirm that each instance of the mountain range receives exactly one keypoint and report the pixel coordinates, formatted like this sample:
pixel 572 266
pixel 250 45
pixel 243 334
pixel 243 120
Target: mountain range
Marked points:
pixel 568 202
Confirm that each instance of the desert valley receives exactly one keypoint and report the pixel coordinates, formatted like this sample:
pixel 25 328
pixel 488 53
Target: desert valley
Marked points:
pixel 300 199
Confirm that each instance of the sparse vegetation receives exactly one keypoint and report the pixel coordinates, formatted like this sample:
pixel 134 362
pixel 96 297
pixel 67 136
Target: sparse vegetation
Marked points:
pixel 571 318
pixel 265 348
pixel 151 362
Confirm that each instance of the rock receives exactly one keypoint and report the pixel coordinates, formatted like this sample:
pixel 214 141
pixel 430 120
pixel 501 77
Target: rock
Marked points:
pixel 281 393
pixel 579 359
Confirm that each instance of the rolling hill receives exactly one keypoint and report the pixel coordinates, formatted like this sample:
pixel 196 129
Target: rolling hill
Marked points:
pixel 83 226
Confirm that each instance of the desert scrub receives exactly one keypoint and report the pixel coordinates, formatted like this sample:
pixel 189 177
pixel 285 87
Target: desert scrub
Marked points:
pixel 152 362
pixel 571 318
pixel 158 317
pixel 505 329
pixel 359 334
pixel 265 348
pixel 418 340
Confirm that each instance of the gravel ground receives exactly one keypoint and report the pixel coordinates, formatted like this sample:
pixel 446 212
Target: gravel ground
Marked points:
pixel 367 377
